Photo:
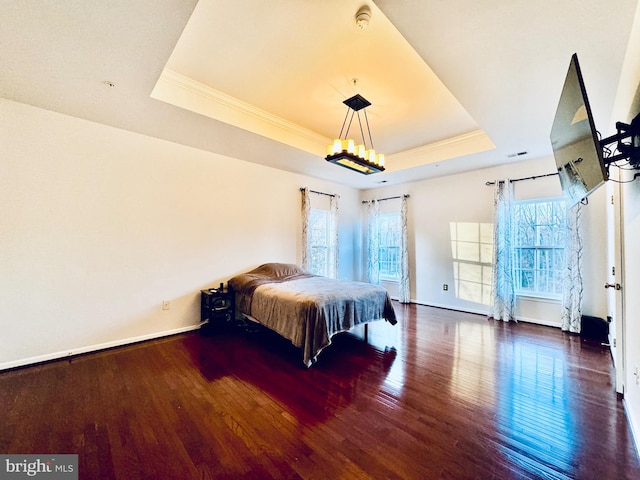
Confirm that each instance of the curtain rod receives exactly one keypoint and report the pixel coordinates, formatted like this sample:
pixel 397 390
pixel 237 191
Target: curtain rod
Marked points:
pixel 406 195
pixel 319 193
pixel 524 178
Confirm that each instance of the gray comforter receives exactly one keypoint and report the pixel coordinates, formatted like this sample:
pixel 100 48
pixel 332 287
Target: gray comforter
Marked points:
pixel 307 309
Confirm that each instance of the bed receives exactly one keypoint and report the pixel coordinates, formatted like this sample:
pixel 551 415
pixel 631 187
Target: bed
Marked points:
pixel 307 309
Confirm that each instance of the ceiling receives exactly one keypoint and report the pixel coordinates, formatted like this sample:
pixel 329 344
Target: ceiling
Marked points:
pixel 454 85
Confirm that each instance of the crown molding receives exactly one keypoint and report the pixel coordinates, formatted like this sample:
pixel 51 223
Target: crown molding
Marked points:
pixel 468 143
pixel 179 90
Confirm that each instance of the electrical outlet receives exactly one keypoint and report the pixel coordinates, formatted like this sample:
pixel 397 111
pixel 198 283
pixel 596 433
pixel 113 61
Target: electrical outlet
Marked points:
pixel 636 372
pixel 445 287
pixel 166 304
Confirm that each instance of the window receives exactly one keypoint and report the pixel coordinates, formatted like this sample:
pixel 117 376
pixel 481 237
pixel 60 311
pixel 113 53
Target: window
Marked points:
pixel 389 245
pixel 319 241
pixel 540 229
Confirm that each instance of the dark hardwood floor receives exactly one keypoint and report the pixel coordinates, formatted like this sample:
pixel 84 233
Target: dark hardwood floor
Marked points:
pixel 440 395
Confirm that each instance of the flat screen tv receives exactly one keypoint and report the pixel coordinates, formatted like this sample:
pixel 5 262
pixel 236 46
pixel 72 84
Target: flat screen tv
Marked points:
pixel 574 140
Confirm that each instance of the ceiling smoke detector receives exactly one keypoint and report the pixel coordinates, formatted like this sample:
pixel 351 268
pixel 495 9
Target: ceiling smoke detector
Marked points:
pixel 363 16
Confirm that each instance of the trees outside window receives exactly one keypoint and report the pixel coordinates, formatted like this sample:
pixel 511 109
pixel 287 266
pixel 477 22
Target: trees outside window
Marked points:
pixel 319 239
pixel 389 245
pixel 539 232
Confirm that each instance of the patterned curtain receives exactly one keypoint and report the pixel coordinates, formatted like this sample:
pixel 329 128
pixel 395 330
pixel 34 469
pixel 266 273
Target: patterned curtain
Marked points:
pixel 306 212
pixel 572 287
pixel 333 237
pixel 503 300
pixel 404 294
pixel 373 216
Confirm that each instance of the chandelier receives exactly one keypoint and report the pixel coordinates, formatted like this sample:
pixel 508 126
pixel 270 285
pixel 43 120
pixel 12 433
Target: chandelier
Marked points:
pixel 344 151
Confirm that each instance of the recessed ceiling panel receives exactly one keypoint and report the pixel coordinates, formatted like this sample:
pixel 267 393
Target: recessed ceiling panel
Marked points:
pixel 283 68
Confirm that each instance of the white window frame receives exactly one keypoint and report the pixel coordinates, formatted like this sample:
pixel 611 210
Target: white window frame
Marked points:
pixel 553 245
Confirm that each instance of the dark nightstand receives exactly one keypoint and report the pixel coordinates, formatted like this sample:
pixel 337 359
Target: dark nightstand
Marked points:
pixel 217 306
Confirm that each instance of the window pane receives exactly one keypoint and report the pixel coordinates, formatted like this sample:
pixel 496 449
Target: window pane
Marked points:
pixel 545 236
pixel 389 245
pixel 539 258
pixel 543 213
pixel 525 258
pixel 525 235
pixel 526 280
pixel 544 259
pixel 319 242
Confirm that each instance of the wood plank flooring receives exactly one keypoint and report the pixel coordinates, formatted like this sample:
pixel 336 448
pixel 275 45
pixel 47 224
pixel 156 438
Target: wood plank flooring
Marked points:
pixel 440 395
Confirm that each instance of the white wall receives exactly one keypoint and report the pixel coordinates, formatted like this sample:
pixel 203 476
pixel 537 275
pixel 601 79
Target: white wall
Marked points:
pixel 464 201
pixel 100 225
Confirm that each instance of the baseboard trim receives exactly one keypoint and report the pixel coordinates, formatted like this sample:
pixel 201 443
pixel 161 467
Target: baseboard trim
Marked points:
pixel 536 321
pixel 634 432
pixel 93 348
pixel 449 307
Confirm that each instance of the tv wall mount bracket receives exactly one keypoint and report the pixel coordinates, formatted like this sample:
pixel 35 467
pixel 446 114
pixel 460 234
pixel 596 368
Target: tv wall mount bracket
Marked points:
pixel 629 150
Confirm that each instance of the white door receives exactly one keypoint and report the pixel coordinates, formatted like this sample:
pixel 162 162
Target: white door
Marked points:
pixel 614 281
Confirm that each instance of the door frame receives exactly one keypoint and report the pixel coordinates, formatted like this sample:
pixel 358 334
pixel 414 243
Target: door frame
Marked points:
pixel 615 276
